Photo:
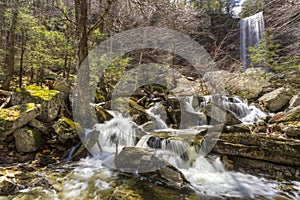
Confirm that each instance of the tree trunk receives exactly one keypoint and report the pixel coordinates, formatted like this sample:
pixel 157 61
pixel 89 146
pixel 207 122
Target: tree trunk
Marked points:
pixel 23 45
pixel 81 106
pixel 10 56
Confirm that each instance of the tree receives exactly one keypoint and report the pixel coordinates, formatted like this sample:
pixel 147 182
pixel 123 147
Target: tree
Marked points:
pixel 10 54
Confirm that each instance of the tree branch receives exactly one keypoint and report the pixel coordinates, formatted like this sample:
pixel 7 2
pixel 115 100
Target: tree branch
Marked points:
pixel 102 17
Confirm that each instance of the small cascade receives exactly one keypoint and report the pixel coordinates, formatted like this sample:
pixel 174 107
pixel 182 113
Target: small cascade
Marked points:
pixel 152 112
pixel 239 107
pixel 210 178
pixel 118 132
pixel 251 32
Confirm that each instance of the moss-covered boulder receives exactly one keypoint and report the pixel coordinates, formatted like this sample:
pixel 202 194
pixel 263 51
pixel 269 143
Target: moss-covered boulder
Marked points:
pixel 66 129
pixel 50 100
pixel 27 140
pixel 17 116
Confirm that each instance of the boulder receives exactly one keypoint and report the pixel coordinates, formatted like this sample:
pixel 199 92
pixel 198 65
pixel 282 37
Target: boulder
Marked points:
pixel 66 129
pixel 17 116
pixel 216 115
pixel 50 100
pixel 276 100
pixel 27 140
pixel 147 164
pixel 248 85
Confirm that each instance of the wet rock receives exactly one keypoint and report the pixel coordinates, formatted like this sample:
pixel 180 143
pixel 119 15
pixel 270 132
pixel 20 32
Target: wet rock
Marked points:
pixel 217 115
pixel 17 116
pixel 276 100
pixel 50 100
pixel 145 163
pixel 27 140
pixel 291 129
pixel 66 129
pixel 125 194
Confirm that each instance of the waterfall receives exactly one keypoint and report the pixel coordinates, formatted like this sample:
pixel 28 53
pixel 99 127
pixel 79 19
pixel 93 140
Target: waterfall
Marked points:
pixel 251 31
pixel 118 132
pixel 152 112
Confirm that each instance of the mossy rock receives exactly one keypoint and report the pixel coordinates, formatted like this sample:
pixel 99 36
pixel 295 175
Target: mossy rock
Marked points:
pixel 50 100
pixel 66 129
pixel 17 116
pixel 27 140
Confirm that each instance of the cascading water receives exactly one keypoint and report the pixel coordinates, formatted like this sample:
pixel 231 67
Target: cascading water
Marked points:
pixel 91 179
pixel 242 111
pixel 156 117
pixel 251 32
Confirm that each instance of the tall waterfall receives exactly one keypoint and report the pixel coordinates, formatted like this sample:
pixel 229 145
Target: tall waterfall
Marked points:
pixel 251 32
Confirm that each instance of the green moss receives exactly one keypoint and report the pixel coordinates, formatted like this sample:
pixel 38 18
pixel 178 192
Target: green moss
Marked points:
pixel 68 122
pixel 9 114
pixel 37 91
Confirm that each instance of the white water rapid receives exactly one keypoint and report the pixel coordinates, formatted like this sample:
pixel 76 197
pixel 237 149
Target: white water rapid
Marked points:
pixel 92 178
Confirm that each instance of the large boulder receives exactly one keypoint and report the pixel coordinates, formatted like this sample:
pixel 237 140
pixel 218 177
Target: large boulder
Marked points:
pixel 17 116
pixel 276 100
pixel 27 140
pixel 66 129
pixel 49 99
pixel 248 85
pixel 147 164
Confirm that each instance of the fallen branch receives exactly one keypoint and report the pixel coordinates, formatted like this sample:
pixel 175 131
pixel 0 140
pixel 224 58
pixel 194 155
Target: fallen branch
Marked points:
pixel 6 93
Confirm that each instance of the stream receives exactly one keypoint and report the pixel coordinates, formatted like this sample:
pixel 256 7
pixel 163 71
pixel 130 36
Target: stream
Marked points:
pixel 96 177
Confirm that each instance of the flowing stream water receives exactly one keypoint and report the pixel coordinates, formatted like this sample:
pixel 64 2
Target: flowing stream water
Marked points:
pixel 96 178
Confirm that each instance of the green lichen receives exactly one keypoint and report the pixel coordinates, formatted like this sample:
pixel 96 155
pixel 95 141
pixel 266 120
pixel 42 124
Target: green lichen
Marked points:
pixel 37 91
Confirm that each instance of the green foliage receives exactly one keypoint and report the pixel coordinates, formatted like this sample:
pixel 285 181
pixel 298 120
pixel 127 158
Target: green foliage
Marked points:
pixel 110 77
pixel 250 7
pixel 266 53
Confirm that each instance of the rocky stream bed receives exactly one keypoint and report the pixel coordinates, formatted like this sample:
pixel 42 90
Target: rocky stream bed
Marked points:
pixel 257 154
